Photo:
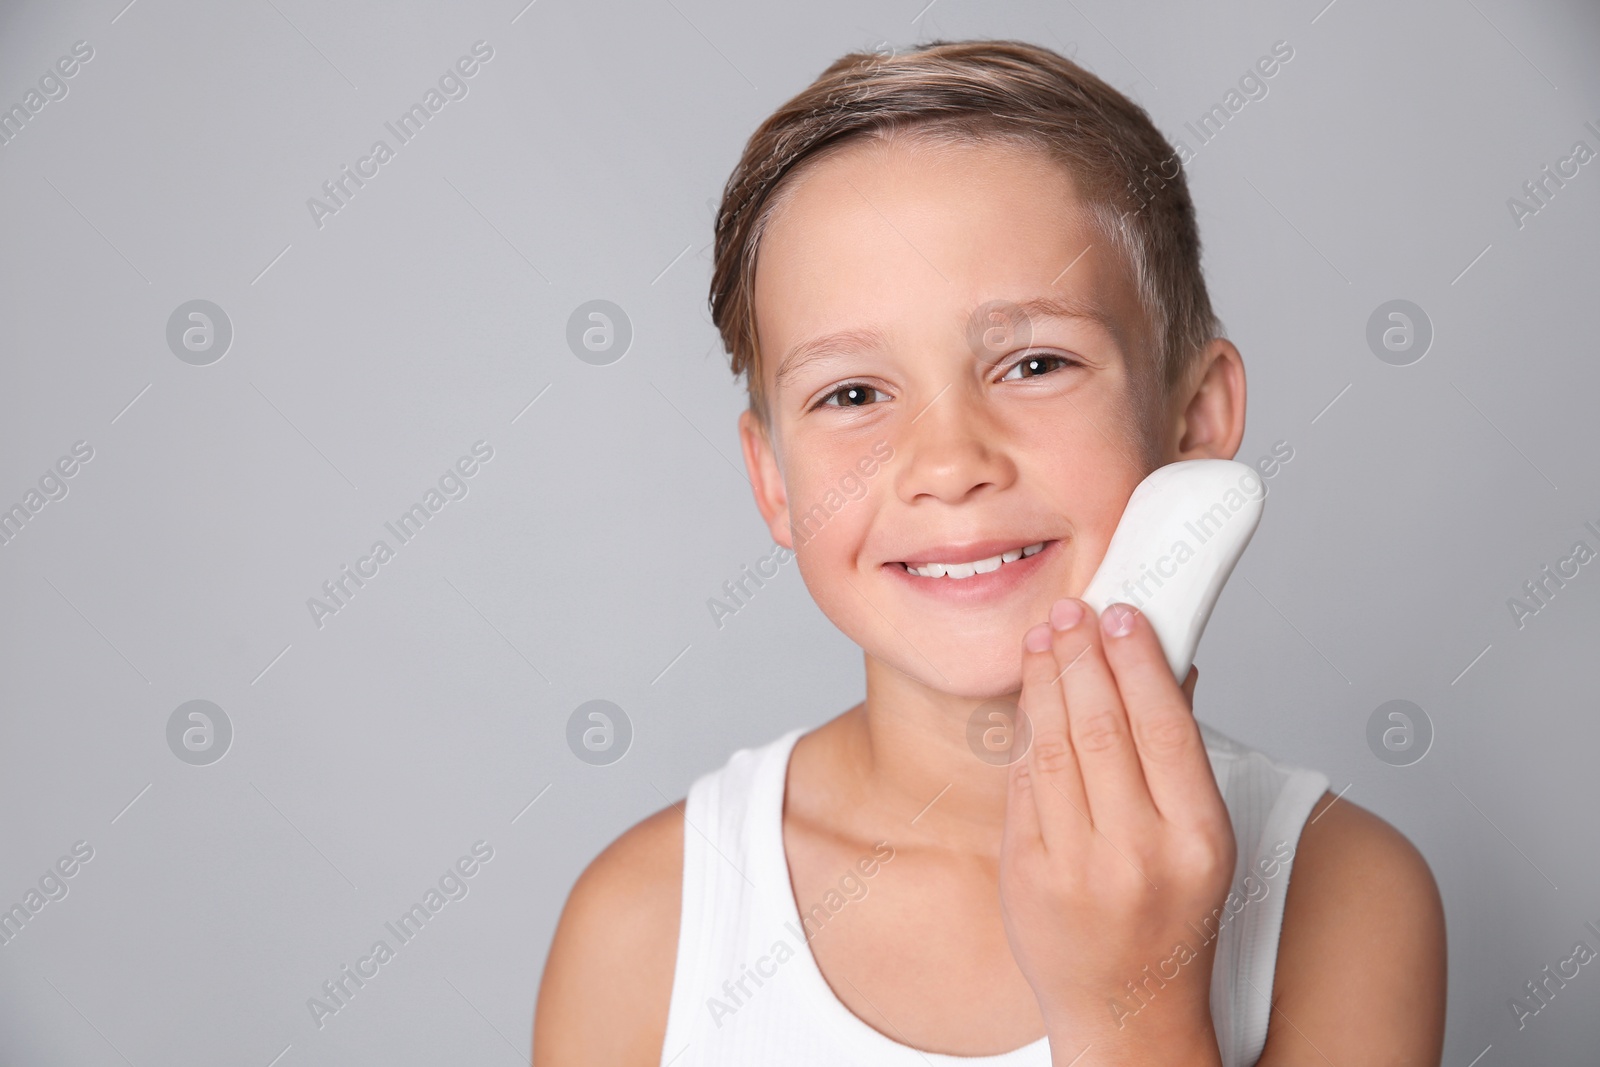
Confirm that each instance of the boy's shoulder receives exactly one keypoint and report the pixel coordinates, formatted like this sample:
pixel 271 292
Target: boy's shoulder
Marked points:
pixel 617 939
pixel 1362 927
pixel 616 943
pixel 643 865
pixel 1363 935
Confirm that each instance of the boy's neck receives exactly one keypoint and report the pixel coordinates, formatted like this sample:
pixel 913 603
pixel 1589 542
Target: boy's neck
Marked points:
pixel 907 747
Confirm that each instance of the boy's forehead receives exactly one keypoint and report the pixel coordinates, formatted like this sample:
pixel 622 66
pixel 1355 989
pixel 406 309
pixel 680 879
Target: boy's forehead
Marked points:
pixel 908 236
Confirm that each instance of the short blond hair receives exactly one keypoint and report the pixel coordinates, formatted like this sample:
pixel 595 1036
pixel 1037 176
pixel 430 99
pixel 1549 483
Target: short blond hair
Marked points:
pixel 1127 174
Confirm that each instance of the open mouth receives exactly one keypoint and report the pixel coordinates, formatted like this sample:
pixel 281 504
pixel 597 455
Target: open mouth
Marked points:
pixel 968 569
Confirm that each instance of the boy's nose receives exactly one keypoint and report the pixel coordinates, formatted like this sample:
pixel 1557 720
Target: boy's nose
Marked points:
pixel 952 451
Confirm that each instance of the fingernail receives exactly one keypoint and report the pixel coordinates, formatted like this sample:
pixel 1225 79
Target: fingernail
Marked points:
pixel 1037 639
pixel 1065 613
pixel 1117 620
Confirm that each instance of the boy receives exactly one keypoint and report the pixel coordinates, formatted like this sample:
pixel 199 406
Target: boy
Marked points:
pixel 979 268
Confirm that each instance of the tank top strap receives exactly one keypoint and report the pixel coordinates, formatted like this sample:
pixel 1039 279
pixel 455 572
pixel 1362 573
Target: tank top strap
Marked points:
pixel 1268 802
pixel 727 903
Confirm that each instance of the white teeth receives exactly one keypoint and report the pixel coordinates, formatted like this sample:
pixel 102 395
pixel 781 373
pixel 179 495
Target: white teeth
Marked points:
pixel 967 570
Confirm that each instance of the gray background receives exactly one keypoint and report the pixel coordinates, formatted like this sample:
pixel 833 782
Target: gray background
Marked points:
pixel 369 354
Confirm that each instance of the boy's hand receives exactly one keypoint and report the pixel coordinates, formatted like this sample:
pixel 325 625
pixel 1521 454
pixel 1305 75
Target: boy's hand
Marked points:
pixel 1116 840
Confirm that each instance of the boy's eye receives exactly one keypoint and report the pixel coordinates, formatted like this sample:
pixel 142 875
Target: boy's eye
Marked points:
pixel 1035 365
pixel 860 395
pixel 851 396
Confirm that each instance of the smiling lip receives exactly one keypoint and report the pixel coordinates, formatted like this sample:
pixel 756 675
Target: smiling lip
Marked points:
pixel 990 585
pixel 968 551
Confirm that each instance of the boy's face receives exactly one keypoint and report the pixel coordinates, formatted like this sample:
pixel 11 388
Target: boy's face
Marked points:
pixel 932 434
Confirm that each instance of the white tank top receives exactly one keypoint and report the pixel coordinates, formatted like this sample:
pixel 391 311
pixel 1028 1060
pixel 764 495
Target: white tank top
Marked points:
pixel 746 989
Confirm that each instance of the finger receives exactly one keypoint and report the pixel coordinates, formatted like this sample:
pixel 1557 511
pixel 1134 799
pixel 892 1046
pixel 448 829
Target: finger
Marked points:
pixel 1171 751
pixel 1188 684
pixel 1020 834
pixel 1113 780
pixel 1058 795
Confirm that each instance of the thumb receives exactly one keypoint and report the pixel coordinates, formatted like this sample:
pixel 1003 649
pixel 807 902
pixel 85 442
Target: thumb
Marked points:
pixel 1188 684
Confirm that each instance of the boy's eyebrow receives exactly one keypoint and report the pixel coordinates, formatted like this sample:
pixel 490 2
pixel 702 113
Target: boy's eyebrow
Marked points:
pixel 1068 307
pixel 832 344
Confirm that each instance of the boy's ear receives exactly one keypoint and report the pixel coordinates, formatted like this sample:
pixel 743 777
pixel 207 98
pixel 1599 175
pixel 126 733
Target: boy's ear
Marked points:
pixel 761 462
pixel 1210 419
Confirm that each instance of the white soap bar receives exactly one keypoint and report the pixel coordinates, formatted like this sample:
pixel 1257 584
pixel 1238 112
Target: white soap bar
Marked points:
pixel 1183 530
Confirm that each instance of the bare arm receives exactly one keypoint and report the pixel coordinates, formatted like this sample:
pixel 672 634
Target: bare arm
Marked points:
pixel 608 980
pixel 1361 960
